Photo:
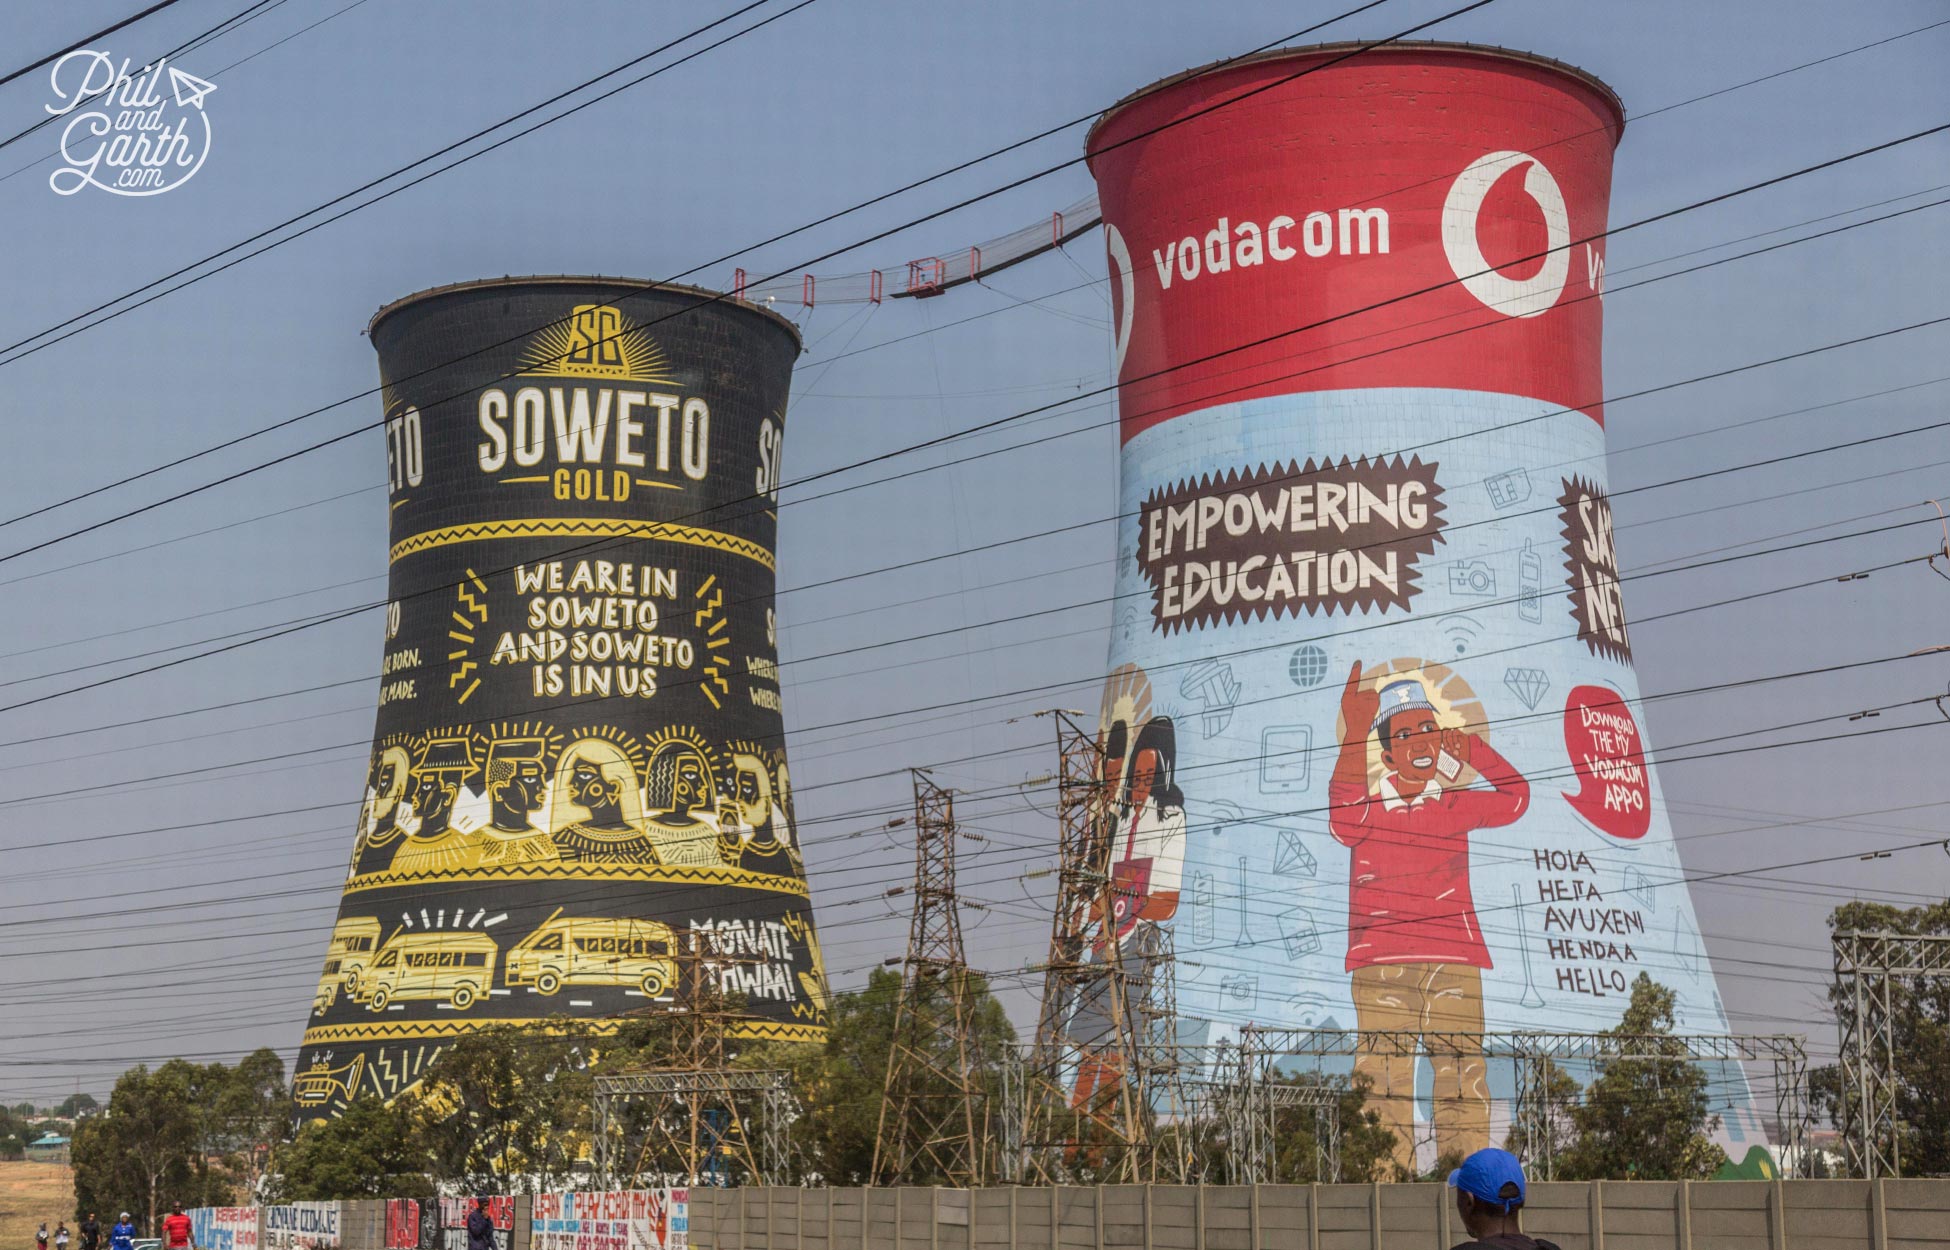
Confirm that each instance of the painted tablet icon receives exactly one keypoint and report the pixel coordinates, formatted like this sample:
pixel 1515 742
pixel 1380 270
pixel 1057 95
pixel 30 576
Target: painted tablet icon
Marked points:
pixel 1609 757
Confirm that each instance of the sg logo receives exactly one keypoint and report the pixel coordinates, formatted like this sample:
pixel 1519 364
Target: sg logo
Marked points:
pixel 595 337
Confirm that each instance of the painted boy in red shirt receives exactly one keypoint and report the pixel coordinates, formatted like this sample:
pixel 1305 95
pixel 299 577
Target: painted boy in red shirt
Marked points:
pixel 1415 954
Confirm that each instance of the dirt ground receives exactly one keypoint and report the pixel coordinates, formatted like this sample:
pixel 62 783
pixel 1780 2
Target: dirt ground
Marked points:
pixel 30 1193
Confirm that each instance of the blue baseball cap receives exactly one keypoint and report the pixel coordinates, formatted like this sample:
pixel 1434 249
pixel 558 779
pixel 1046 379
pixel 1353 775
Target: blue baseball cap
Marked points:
pixel 1484 1174
pixel 1406 695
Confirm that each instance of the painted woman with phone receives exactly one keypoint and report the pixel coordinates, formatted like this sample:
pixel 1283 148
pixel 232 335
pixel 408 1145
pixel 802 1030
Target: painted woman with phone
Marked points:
pixel 1415 953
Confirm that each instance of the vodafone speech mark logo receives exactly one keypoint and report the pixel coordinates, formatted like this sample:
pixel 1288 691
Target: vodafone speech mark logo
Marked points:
pixel 1513 297
pixel 1125 292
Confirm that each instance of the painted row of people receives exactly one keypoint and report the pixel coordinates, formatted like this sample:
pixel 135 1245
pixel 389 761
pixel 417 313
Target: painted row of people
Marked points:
pixel 446 812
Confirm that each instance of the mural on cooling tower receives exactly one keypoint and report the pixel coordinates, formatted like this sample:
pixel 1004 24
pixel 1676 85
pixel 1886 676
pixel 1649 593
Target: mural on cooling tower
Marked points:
pixel 1372 751
pixel 578 771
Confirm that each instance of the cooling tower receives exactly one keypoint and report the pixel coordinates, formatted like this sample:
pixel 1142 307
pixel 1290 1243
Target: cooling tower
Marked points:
pixel 578 772
pixel 1373 752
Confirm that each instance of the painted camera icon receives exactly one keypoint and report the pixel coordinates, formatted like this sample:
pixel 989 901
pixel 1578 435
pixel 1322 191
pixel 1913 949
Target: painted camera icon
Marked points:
pixel 1472 577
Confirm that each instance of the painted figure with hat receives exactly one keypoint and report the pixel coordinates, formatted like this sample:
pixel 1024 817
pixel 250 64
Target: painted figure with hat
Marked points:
pixel 1415 952
pixel 435 842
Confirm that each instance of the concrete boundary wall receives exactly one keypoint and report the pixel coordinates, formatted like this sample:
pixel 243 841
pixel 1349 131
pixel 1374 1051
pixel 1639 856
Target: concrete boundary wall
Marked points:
pixel 1596 1215
pixel 362 1226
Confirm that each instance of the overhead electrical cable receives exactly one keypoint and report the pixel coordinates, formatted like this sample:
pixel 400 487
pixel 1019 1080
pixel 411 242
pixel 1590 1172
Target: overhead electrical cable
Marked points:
pixel 1275 336
pixel 1613 290
pixel 122 785
pixel 596 1027
pixel 85 40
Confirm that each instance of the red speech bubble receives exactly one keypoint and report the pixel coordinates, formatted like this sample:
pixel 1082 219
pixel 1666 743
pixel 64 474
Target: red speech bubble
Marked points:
pixel 1609 756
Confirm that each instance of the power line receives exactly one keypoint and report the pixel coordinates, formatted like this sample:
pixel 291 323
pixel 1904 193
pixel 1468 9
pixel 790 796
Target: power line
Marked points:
pixel 720 260
pixel 328 618
pixel 458 143
pixel 248 14
pixel 1234 763
pixel 1207 358
pixel 863 647
pixel 207 37
pixel 1614 290
pixel 1005 976
pixel 85 40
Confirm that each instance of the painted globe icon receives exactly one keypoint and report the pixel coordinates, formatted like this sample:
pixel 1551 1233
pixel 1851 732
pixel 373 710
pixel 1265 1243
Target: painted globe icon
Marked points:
pixel 1307 665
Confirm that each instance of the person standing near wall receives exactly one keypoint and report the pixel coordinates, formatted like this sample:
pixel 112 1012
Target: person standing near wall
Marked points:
pixel 1489 1197
pixel 176 1230
pixel 480 1227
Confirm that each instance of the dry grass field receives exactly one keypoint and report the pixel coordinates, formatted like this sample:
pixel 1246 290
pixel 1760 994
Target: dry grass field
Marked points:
pixel 30 1193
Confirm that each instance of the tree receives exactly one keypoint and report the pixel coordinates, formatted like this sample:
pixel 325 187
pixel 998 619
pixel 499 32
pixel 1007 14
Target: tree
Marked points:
pixel 254 1109
pixel 195 1134
pixel 138 1157
pixel 1645 1118
pixel 1562 1095
pixel 505 1109
pixel 839 1083
pixel 74 1106
pixel 1366 1144
pixel 1920 1021
pixel 14 1135
pixel 368 1152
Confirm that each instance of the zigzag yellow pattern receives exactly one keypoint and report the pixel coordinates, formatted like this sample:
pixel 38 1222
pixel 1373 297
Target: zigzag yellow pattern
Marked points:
pixel 581 527
pixel 679 873
pixel 765 1030
pixel 434 1030
pixel 428 1030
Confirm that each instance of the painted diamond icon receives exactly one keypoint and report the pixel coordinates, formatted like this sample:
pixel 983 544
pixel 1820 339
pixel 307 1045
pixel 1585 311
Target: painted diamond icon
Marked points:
pixel 1294 859
pixel 1528 684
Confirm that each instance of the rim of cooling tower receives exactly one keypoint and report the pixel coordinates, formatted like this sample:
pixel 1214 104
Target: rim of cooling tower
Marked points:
pixel 1401 47
pixel 633 286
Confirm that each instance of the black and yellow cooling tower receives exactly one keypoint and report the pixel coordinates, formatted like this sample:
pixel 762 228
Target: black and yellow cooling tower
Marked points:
pixel 578 772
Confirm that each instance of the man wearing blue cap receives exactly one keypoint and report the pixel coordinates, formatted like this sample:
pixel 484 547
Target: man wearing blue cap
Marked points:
pixel 1489 1197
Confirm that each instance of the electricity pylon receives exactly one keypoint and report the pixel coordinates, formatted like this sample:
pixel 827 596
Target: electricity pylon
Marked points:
pixel 934 1113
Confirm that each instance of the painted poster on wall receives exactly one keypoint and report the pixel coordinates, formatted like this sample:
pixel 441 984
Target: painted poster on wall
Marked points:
pixel 444 1225
pixel 302 1226
pixel 224 1228
pixel 626 1219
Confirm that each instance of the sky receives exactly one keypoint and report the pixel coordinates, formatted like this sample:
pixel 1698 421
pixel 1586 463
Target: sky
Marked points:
pixel 146 911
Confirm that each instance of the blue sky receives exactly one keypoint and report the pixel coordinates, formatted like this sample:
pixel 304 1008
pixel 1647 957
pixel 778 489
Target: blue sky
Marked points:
pixel 826 107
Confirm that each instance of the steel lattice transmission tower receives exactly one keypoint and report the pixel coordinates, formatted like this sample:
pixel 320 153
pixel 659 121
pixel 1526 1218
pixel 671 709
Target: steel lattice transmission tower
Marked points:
pixel 1869 968
pixel 934 1122
pixel 708 1124
pixel 1084 1106
pixel 1161 1084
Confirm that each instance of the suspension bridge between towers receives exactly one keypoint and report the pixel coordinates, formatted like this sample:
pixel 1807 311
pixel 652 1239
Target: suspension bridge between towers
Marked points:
pixel 928 275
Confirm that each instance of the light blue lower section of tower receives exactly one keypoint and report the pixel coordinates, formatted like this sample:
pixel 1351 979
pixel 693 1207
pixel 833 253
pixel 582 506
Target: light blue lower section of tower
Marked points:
pixel 1262 924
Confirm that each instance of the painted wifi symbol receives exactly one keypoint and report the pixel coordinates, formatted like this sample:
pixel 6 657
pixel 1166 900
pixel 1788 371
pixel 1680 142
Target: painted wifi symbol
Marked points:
pixel 1460 633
